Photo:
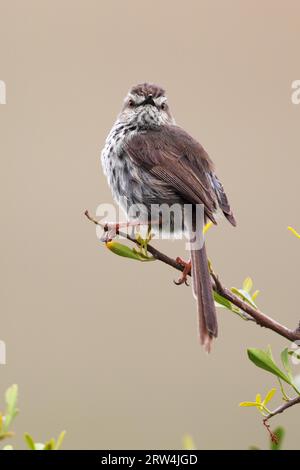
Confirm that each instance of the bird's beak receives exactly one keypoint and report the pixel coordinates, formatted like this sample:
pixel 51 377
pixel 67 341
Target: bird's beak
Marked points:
pixel 148 100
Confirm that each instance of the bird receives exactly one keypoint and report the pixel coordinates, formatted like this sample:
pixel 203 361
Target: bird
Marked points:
pixel 148 161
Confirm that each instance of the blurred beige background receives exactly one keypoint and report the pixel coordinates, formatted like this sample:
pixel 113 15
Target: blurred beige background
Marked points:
pixel 107 348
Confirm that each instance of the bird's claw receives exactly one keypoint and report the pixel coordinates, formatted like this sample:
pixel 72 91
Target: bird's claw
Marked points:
pixel 110 231
pixel 180 281
pixel 185 273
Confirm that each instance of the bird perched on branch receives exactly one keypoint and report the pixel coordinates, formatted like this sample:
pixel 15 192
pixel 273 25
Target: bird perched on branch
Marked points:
pixel 150 161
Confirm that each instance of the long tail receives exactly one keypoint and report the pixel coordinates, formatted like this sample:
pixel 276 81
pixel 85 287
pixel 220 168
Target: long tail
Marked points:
pixel 202 288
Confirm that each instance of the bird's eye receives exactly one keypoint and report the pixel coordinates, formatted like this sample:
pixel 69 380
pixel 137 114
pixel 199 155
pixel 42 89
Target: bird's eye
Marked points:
pixel 163 106
pixel 131 103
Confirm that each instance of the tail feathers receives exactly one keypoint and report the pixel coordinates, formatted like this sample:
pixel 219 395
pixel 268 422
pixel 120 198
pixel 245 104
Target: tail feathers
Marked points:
pixel 229 216
pixel 202 288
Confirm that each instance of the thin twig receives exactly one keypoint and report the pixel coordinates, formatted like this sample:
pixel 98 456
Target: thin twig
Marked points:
pixel 273 436
pixel 281 409
pixel 154 252
pixel 259 317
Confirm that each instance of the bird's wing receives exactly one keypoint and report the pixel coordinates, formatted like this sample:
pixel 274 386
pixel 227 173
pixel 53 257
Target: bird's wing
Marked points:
pixel 173 156
pixel 222 198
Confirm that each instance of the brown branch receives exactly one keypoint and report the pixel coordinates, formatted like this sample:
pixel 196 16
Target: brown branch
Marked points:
pixel 259 317
pixel 280 409
pixel 154 252
pixel 271 433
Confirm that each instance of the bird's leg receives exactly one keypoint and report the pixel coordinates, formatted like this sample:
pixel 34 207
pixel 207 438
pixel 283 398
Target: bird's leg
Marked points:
pixel 111 229
pixel 186 271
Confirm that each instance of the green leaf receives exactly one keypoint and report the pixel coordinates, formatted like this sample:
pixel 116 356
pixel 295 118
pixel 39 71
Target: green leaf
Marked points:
pixel 123 250
pixel 188 442
pixel 255 294
pixel 284 395
pixel 279 433
pixel 50 445
pixel 6 434
pixel 8 447
pixel 248 403
pixel 11 397
pixel 247 284
pixel 269 396
pixel 60 440
pixel 207 227
pixel 258 399
pixel 29 441
pixel 244 296
pixel 269 352
pixel 39 446
pixel 286 363
pixel 221 301
pixel 263 360
pixel 291 229
pixel 143 256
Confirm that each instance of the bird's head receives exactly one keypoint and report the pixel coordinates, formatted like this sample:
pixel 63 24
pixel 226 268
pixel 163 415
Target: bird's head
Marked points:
pixel 146 106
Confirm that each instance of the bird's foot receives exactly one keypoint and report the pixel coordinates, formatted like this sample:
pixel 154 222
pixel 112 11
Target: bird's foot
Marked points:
pixel 185 273
pixel 110 231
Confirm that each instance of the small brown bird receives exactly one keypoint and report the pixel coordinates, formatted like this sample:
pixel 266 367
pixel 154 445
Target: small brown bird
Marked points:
pixel 149 160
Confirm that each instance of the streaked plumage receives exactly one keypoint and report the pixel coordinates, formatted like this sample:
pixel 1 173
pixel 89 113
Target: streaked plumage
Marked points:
pixel 149 160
